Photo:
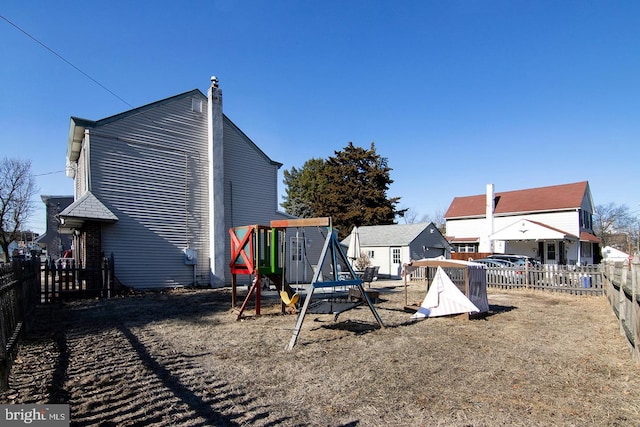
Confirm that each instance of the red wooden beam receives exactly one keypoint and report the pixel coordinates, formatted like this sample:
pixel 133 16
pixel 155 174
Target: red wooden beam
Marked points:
pixel 302 222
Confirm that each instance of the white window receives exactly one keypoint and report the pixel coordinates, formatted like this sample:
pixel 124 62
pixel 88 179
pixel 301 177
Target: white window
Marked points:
pixel 196 105
pixel 465 247
pixel 296 249
pixel 395 255
pixel 370 254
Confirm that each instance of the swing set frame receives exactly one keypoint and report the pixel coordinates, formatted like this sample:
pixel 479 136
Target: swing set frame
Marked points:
pixel 260 250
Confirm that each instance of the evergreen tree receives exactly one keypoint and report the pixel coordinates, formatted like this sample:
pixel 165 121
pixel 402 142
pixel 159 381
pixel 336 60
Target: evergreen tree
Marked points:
pixel 350 187
pixel 302 188
pixel 356 190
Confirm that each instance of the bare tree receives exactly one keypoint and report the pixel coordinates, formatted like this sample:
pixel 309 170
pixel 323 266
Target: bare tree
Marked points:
pixel 611 223
pixel 17 187
pixel 409 215
pixel 437 218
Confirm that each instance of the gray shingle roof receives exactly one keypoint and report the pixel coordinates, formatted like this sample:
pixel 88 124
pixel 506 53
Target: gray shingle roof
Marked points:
pixel 389 235
pixel 88 207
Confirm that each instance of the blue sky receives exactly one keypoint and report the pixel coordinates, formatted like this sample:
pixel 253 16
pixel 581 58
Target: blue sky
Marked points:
pixel 456 94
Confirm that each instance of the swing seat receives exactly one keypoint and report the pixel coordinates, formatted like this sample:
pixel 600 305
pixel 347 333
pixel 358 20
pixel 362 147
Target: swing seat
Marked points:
pixel 291 302
pixel 332 307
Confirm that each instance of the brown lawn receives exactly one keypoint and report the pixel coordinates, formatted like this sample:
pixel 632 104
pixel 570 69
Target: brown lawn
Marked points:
pixel 181 358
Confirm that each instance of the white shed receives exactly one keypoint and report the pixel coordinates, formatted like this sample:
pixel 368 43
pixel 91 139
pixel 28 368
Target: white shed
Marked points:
pixel 389 246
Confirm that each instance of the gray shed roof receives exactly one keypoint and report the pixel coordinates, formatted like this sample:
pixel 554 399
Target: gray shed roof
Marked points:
pixel 389 235
pixel 88 207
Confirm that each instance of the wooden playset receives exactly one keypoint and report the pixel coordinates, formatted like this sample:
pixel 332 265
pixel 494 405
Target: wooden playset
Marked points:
pixel 260 251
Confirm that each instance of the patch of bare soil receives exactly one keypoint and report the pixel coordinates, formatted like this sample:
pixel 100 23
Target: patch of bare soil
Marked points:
pixel 181 358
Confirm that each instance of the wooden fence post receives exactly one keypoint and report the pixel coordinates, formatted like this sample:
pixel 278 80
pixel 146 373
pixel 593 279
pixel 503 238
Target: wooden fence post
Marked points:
pixel 621 299
pixel 45 298
pixel 635 310
pixel 104 277
pixel 72 280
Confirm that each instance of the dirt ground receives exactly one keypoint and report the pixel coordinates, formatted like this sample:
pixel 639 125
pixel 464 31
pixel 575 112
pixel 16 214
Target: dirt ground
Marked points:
pixel 181 358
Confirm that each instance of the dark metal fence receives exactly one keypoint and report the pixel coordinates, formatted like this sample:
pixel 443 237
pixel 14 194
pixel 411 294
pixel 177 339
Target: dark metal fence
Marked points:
pixel 26 284
pixel 19 293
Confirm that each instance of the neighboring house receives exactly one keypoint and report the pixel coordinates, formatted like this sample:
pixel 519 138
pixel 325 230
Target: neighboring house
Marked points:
pixel 53 241
pixel 611 254
pixel 552 224
pixel 23 246
pixel 13 246
pixel 160 186
pixel 389 246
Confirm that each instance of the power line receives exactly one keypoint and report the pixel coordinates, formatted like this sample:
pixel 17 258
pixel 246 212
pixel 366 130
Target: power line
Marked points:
pixel 63 59
pixel 49 173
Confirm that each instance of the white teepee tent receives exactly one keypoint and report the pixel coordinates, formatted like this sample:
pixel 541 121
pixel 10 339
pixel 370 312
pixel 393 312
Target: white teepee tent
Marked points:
pixel 443 299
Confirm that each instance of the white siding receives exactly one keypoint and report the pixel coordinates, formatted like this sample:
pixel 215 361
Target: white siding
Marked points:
pixel 250 184
pixel 149 167
pixel 250 181
pixel 567 221
pixel 80 181
pixel 465 227
pixel 382 258
pixel 150 170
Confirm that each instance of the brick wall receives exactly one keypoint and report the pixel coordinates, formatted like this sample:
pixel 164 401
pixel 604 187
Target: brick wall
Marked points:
pixel 92 245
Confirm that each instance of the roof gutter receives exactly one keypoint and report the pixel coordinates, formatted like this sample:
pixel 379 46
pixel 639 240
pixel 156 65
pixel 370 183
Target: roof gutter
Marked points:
pixel 77 127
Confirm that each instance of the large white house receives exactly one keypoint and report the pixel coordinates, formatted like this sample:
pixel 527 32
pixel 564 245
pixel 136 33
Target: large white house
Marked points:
pixel 160 186
pixel 552 224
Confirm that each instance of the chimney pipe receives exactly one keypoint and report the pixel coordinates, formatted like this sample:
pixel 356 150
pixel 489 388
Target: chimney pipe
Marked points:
pixel 486 244
pixel 217 233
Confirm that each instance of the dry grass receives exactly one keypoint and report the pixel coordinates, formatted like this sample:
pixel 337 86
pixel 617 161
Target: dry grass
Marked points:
pixel 181 358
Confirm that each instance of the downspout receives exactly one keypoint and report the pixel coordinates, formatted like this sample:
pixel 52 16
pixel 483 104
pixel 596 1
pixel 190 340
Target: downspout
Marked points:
pixel 87 163
pixel 579 243
pixel 217 240
pixel 186 203
pixel 80 238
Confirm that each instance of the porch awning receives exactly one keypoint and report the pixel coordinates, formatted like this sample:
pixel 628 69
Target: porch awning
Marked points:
pixel 451 239
pixel 531 230
pixel 588 237
pixel 86 208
